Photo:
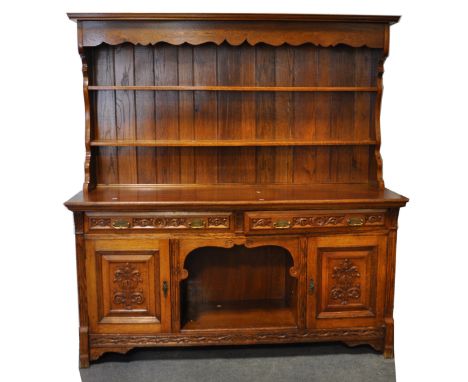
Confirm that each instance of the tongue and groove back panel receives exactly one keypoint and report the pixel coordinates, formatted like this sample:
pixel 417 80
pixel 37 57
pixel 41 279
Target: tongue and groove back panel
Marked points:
pixel 216 137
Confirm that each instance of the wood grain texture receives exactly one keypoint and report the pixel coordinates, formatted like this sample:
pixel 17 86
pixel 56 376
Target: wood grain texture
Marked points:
pixel 234 32
pixel 84 357
pixel 233 186
pixel 386 19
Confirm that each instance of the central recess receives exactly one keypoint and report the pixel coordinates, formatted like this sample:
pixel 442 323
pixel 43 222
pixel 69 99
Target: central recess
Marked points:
pixel 238 287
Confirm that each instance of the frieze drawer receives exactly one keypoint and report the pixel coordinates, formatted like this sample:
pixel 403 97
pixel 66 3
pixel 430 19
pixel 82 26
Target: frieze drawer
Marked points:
pixel 159 221
pixel 303 220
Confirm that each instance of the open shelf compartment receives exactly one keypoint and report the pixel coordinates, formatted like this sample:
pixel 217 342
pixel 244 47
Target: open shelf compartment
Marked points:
pixel 239 287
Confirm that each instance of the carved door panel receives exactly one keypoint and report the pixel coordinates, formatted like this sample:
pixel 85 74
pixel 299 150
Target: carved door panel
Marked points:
pixel 346 276
pixel 128 285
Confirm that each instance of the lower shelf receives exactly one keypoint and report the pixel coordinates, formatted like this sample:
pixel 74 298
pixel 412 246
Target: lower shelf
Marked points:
pixel 242 314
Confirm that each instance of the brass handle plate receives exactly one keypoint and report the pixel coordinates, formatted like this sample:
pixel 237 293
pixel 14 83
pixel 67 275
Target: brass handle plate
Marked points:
pixel 197 223
pixel 311 285
pixel 282 224
pixel 165 288
pixel 355 221
pixel 120 224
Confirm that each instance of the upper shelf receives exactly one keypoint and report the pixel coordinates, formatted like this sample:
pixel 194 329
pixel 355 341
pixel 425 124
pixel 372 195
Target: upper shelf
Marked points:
pixel 228 143
pixel 242 88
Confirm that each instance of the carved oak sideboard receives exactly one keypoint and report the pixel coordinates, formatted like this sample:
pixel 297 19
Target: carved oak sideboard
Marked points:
pixel 233 189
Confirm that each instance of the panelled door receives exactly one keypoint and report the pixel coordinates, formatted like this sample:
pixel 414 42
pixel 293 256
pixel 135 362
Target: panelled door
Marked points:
pixel 128 285
pixel 346 277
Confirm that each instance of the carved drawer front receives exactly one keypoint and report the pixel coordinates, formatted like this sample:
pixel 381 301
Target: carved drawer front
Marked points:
pixel 159 221
pixel 127 284
pixel 308 220
pixel 345 276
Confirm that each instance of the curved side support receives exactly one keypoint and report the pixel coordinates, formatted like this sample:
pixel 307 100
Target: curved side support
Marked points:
pixel 87 185
pixel 378 105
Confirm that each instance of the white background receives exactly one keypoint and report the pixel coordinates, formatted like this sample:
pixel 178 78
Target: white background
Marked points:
pixel 42 153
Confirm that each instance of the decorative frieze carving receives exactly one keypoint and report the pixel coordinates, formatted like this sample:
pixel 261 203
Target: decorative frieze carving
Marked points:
pixel 218 222
pixel 317 221
pixel 164 222
pixel 100 223
pixel 261 223
pixel 236 338
pixel 374 219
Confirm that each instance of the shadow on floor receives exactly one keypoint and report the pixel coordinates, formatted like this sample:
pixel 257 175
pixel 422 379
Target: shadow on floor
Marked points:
pixel 298 362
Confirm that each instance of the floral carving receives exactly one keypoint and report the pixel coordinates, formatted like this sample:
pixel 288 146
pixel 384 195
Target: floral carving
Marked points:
pixel 100 222
pixel 127 277
pixel 374 219
pixel 319 221
pixel 345 288
pixel 143 222
pixel 262 223
pixel 218 222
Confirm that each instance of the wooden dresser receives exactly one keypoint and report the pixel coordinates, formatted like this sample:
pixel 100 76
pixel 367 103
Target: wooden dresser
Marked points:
pixel 233 189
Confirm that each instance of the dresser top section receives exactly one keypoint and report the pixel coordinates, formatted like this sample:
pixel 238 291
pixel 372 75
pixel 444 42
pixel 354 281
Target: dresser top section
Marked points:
pixel 386 19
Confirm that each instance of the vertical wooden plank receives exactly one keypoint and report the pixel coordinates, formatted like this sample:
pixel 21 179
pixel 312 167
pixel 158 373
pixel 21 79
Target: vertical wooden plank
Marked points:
pixel 248 73
pixel 363 70
pixel 125 112
pixel 205 112
pixel 322 114
pixel 186 113
pixel 231 170
pixel 229 103
pixel 236 165
pixel 304 164
pixel 284 105
pixel 265 101
pixel 145 110
pixel 305 74
pixel 284 114
pixel 342 103
pixel 167 109
pixel 265 114
pixel 363 111
pixel 265 165
pixel 104 118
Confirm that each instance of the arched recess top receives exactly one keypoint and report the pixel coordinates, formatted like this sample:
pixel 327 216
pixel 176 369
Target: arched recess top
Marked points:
pixel 234 32
pixel 188 246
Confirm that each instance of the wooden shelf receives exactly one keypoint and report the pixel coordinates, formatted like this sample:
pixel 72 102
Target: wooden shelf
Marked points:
pixel 146 197
pixel 242 314
pixel 227 143
pixel 243 88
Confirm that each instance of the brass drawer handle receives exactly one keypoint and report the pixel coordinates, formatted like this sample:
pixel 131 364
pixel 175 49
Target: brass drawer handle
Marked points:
pixel 282 224
pixel 197 223
pixel 120 224
pixel 355 221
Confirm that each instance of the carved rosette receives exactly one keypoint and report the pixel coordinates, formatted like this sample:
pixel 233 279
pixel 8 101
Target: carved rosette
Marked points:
pixel 128 277
pixel 345 288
